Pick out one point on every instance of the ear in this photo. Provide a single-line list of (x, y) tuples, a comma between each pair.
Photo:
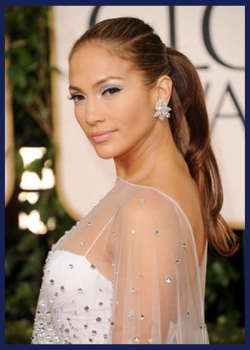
[(164, 88)]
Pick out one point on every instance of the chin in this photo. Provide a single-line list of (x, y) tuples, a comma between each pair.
[(105, 155), (105, 151)]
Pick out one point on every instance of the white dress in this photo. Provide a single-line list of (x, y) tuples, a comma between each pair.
[(127, 273)]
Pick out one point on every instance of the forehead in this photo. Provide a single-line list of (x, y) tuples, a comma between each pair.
[(93, 61)]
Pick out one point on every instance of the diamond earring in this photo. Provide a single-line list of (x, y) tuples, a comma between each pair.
[(162, 110)]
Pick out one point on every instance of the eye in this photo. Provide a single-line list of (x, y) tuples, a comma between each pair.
[(111, 91), (76, 97)]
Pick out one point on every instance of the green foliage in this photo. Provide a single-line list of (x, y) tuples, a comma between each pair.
[(29, 69), (225, 298), (29, 73), (18, 332)]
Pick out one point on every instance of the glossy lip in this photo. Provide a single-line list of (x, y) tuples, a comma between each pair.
[(99, 137)]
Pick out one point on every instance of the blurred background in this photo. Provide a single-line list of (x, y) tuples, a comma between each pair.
[(35, 216)]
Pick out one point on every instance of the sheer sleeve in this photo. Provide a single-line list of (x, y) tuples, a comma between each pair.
[(128, 273), (157, 295)]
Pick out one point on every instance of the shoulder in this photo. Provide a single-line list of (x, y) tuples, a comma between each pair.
[(146, 215), (145, 202)]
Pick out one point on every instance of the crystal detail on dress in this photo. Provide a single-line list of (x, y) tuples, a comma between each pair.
[(142, 201), (51, 282), (82, 283), (168, 280), (98, 319), (62, 288), (184, 245)]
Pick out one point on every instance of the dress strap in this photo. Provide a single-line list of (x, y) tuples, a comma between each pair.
[(99, 235)]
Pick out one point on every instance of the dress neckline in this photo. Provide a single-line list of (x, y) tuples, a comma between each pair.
[(84, 258)]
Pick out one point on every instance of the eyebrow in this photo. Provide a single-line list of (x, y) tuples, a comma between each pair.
[(98, 83)]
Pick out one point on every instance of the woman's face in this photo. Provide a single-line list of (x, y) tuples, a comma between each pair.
[(112, 105)]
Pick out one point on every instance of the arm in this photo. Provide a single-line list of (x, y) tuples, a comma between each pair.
[(147, 250)]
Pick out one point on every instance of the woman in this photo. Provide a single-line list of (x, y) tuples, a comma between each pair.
[(133, 270)]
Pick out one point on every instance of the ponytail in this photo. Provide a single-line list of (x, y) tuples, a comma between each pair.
[(190, 129)]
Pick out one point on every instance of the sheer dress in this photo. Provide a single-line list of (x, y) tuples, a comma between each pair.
[(127, 273)]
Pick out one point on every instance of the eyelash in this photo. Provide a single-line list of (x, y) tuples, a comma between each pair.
[(111, 91), (77, 95)]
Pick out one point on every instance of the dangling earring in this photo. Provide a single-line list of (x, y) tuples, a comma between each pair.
[(162, 110)]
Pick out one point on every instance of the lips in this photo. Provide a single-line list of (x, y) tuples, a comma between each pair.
[(102, 136)]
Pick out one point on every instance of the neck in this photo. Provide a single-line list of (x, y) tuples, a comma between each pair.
[(151, 160)]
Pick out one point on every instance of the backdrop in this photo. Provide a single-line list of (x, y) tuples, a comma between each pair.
[(213, 38)]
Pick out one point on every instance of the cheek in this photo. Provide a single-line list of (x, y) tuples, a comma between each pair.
[(79, 115), (140, 114), (133, 111)]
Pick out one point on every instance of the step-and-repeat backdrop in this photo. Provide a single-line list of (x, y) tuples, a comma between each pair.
[(213, 37)]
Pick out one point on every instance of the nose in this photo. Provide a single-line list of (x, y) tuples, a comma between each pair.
[(94, 113)]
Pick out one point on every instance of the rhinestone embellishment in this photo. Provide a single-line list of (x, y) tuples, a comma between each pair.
[(162, 110), (168, 280)]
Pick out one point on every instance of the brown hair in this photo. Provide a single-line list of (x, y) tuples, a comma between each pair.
[(133, 40)]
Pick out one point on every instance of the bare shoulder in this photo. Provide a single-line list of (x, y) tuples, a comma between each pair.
[(147, 201), (183, 190)]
